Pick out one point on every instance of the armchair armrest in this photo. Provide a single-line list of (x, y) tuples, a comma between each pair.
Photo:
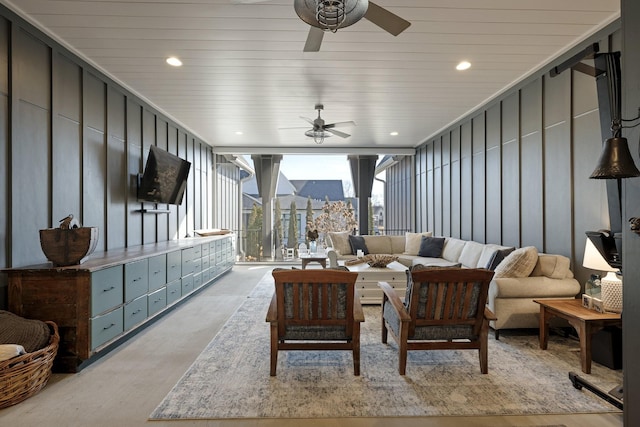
[(272, 312), (393, 298), (358, 313)]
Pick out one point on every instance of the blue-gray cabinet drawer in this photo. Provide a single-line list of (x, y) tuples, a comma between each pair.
[(135, 312), (157, 272), (174, 291), (106, 289), (157, 301), (187, 284), (197, 265), (106, 327), (136, 279), (205, 250), (206, 262), (197, 280), (188, 255), (174, 266)]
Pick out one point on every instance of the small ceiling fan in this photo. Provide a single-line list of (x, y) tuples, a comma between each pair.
[(331, 15), (322, 130)]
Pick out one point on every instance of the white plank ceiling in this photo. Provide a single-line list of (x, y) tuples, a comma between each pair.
[(245, 70)]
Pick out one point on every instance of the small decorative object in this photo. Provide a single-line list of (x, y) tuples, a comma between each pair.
[(592, 286), (379, 260), (587, 301), (611, 293), (596, 304), (634, 225), (355, 261), (70, 244), (359, 253)]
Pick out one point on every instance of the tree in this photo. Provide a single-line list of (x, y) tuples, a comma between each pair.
[(309, 225), (335, 216), (292, 238), (279, 231), (254, 233)]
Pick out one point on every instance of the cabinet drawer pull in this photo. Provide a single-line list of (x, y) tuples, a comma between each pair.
[(139, 278), (109, 327), (136, 312), (158, 300), (109, 289)]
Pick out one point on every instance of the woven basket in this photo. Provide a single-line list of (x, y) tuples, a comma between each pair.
[(23, 376)]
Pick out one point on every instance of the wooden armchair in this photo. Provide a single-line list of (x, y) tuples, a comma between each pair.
[(444, 308), (315, 310)]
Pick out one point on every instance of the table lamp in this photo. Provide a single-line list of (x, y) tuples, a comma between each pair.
[(611, 285)]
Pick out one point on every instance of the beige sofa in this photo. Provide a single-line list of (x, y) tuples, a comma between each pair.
[(511, 293)]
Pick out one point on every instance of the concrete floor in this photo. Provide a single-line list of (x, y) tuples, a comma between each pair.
[(126, 385)]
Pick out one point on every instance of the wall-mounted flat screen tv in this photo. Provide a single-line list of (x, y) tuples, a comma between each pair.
[(164, 179)]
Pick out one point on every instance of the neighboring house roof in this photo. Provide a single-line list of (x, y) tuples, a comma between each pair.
[(319, 189), (285, 187)]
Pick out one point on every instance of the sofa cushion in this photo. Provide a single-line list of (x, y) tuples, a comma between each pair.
[(519, 263), (497, 258), (378, 244), (452, 249), (552, 266), (471, 254), (397, 244), (412, 242), (357, 244), (431, 247), (340, 242)]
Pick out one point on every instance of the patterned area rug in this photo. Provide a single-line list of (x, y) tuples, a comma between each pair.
[(230, 379)]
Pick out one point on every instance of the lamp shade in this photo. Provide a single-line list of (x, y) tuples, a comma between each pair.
[(615, 161), (593, 260)]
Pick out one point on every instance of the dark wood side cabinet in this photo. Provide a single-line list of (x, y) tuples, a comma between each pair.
[(110, 296)]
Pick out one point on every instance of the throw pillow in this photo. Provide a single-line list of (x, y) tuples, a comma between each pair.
[(431, 247), (519, 263), (412, 242), (340, 242), (357, 243), (497, 258)]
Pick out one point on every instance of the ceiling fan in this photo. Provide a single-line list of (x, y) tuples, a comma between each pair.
[(322, 130), (330, 15)]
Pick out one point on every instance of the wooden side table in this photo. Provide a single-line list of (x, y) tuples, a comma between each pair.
[(586, 322), (306, 259)]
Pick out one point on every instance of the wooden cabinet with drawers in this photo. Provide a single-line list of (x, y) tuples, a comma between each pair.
[(99, 303)]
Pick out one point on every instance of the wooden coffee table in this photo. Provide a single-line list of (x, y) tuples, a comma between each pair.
[(586, 322)]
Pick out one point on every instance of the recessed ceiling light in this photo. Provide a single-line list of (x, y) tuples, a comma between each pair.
[(172, 60), (393, 133), (239, 132), (464, 65)]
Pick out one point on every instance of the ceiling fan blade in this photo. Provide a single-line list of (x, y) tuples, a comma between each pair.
[(308, 120), (337, 133), (386, 20), (339, 124), (314, 40)]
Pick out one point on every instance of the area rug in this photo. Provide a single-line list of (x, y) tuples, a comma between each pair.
[(230, 378)]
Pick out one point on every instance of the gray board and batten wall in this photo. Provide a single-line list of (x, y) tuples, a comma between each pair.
[(72, 140)]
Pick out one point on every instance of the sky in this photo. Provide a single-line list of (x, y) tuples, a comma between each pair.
[(324, 167)]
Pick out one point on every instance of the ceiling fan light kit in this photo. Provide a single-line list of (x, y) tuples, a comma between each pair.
[(330, 15)]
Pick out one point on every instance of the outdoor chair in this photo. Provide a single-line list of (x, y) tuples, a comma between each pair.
[(315, 310), (444, 309)]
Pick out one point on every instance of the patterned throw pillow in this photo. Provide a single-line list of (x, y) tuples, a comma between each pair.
[(519, 263)]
